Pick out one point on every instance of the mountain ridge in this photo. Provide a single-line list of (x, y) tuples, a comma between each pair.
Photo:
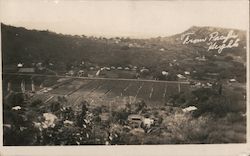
[(22, 45)]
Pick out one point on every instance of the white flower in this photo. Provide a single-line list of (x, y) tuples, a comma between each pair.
[(49, 120), (68, 122), (189, 109)]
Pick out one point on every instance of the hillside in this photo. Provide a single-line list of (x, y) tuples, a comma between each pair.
[(28, 46)]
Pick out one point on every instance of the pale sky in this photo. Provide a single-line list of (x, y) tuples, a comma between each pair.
[(108, 18)]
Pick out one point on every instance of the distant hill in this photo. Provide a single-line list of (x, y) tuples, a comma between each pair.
[(27, 46), (205, 32)]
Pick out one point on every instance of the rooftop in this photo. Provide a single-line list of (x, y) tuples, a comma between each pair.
[(26, 70)]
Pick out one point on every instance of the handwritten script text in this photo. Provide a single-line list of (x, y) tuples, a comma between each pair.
[(214, 40)]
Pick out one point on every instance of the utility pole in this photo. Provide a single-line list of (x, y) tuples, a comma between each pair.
[(23, 86), (32, 85), (179, 87), (9, 87)]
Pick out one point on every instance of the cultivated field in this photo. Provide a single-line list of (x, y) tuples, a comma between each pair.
[(97, 90), (105, 90)]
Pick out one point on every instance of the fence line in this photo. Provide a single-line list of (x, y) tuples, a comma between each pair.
[(98, 78)]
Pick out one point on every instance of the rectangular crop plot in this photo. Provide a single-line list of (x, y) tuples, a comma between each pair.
[(117, 88), (184, 87), (145, 91), (108, 89), (158, 93), (171, 89), (132, 89)]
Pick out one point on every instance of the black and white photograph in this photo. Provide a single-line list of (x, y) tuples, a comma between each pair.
[(124, 72)]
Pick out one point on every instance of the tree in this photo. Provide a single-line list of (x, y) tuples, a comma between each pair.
[(82, 115)]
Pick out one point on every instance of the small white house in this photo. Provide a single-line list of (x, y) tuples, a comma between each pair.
[(209, 84), (19, 65), (144, 70), (134, 68), (80, 72), (232, 80), (162, 49), (164, 73), (198, 84), (107, 68), (148, 122), (26, 70), (16, 108), (180, 76), (130, 45), (119, 68), (71, 73), (187, 73), (203, 58)]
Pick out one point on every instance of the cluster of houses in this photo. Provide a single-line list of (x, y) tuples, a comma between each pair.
[(98, 70), (22, 68), (202, 58), (201, 84), (139, 121), (183, 76)]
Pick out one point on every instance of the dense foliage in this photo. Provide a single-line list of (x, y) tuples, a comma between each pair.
[(26, 124), (217, 120)]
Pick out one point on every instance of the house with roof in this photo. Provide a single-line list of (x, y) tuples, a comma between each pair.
[(135, 120), (180, 76), (126, 68), (26, 70), (232, 80), (119, 68), (19, 65)]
